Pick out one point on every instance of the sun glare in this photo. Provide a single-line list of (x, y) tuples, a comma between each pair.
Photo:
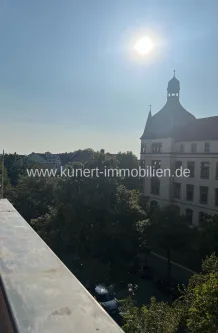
[(144, 45)]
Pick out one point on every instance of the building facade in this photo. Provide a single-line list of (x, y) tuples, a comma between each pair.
[(173, 139)]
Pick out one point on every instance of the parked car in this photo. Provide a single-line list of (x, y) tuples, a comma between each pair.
[(106, 299)]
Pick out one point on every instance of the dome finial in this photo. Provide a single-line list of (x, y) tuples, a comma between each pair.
[(150, 107), (174, 73)]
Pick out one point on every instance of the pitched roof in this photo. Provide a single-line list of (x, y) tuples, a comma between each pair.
[(163, 123), (201, 129), (36, 157)]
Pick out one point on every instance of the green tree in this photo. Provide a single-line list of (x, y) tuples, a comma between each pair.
[(200, 299), (158, 317), (33, 196), (95, 220), (6, 183), (195, 311), (129, 162), (14, 167), (208, 235)]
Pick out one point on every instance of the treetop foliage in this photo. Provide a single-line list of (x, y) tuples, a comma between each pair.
[(196, 310), (99, 227)]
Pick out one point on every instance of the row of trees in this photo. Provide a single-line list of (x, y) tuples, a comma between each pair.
[(88, 222), (16, 164), (99, 225), (97, 198)]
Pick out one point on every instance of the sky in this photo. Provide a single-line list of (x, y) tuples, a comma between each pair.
[(70, 78)]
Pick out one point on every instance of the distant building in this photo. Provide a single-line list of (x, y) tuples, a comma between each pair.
[(45, 161), (80, 156), (54, 161), (174, 138), (111, 155)]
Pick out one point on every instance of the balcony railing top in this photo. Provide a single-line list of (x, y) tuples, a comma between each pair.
[(42, 295)]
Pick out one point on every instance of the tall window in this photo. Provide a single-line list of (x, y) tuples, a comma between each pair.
[(216, 197), (143, 148), (182, 148), (189, 215), (178, 164), (203, 194), (205, 166), (194, 147), (155, 186), (157, 147), (189, 192), (142, 163), (141, 185), (191, 167), (156, 164), (207, 147), (216, 171), (177, 190)]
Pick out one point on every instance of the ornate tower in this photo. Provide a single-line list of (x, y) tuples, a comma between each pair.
[(173, 87)]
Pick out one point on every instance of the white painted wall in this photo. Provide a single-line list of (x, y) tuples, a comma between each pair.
[(170, 154)]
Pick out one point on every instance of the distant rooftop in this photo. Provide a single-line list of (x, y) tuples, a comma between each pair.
[(42, 295)]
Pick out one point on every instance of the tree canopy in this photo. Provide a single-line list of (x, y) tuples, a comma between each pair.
[(87, 221), (97, 226), (196, 310)]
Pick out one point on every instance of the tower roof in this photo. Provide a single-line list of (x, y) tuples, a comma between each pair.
[(173, 85), (170, 117)]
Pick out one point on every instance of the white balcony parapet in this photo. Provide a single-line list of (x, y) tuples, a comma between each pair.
[(42, 295)]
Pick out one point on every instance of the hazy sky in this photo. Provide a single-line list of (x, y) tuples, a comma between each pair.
[(69, 78)]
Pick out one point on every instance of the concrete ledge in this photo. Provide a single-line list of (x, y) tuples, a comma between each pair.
[(42, 294)]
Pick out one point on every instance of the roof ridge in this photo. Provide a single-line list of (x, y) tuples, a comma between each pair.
[(207, 117)]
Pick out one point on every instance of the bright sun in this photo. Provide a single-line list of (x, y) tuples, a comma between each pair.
[(144, 45)]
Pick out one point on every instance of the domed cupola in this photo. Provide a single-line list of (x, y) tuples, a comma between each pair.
[(165, 123), (173, 87)]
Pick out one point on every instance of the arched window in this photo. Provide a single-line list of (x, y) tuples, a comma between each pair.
[(189, 215)]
